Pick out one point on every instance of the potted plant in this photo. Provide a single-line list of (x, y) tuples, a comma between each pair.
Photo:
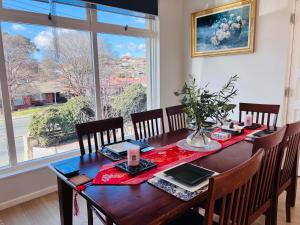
[(202, 104)]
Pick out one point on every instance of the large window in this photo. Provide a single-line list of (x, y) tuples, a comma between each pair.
[(50, 82), (123, 76), (4, 161), (54, 81), (44, 8), (121, 19)]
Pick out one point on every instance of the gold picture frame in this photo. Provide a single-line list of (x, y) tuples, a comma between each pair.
[(224, 30)]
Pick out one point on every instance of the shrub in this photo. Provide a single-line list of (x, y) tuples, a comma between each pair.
[(132, 100), (55, 125)]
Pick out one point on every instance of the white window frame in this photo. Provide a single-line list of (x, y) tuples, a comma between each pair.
[(94, 27)]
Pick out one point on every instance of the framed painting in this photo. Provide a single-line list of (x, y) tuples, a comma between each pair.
[(224, 30)]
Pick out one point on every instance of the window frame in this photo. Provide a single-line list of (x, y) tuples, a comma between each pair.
[(90, 25)]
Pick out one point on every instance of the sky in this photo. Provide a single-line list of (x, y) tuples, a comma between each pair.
[(41, 35)]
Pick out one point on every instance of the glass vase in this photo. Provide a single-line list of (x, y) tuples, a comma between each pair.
[(199, 138)]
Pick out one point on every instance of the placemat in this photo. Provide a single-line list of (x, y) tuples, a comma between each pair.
[(174, 190)]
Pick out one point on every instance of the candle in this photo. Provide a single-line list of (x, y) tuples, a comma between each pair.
[(249, 119), (133, 156)]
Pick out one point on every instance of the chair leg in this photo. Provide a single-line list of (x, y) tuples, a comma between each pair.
[(109, 221), (90, 214), (274, 211), (294, 192), (288, 201), (269, 217)]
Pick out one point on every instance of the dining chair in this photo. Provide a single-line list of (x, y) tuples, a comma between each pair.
[(289, 168), (233, 189), (262, 113), (176, 117), (264, 194), (148, 124), (107, 131)]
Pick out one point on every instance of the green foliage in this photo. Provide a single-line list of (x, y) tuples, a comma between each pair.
[(202, 104), (57, 124), (132, 100)]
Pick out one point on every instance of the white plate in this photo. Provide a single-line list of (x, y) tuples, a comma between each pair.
[(212, 146)]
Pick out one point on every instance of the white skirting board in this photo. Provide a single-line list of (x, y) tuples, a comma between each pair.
[(26, 198)]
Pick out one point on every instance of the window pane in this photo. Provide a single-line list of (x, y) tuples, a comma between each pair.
[(51, 87), (44, 8), (123, 76), (120, 19), (4, 160)]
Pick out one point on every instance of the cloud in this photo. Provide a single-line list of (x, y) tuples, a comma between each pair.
[(18, 27), (133, 47), (127, 54), (44, 38)]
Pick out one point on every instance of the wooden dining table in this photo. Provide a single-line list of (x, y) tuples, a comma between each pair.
[(142, 203)]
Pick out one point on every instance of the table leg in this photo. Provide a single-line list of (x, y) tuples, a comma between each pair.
[(65, 195)]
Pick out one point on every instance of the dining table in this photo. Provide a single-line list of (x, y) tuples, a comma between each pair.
[(141, 203)]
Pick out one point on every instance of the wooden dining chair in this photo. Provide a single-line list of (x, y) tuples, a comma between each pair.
[(98, 134), (289, 167), (264, 194), (261, 113), (148, 124), (107, 130), (176, 117), (232, 190)]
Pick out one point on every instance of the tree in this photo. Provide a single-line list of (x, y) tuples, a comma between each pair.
[(21, 67), (72, 59), (132, 100)]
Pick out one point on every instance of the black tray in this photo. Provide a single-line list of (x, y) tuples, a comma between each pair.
[(253, 127), (189, 174), (144, 166)]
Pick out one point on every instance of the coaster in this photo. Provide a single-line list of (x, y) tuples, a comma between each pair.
[(144, 166), (80, 180)]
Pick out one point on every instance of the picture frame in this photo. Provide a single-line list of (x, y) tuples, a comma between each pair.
[(224, 30)]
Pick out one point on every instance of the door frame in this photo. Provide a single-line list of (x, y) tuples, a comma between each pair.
[(287, 90)]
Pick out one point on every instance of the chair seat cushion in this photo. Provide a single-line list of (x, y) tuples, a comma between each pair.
[(189, 218)]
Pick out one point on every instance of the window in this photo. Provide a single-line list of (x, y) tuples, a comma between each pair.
[(4, 161), (44, 8), (52, 79), (123, 76), (60, 88), (121, 19)]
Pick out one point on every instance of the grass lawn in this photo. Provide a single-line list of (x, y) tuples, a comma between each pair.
[(31, 111)]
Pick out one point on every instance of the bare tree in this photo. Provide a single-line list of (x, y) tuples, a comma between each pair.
[(21, 67)]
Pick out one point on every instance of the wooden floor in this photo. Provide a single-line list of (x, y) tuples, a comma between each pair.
[(44, 211)]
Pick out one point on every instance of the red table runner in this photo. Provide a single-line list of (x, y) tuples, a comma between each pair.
[(164, 157)]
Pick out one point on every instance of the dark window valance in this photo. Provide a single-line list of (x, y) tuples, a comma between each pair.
[(148, 7)]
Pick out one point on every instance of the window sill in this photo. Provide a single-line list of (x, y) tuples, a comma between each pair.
[(25, 167)]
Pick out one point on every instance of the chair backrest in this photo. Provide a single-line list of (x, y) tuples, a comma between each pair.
[(268, 174), (261, 113), (233, 189), (291, 143), (176, 117), (146, 124), (107, 130)]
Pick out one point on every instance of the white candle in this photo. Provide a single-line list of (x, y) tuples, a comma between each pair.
[(133, 157), (249, 119)]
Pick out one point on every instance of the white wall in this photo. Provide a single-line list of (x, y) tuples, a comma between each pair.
[(32, 184), (262, 74), (171, 54)]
